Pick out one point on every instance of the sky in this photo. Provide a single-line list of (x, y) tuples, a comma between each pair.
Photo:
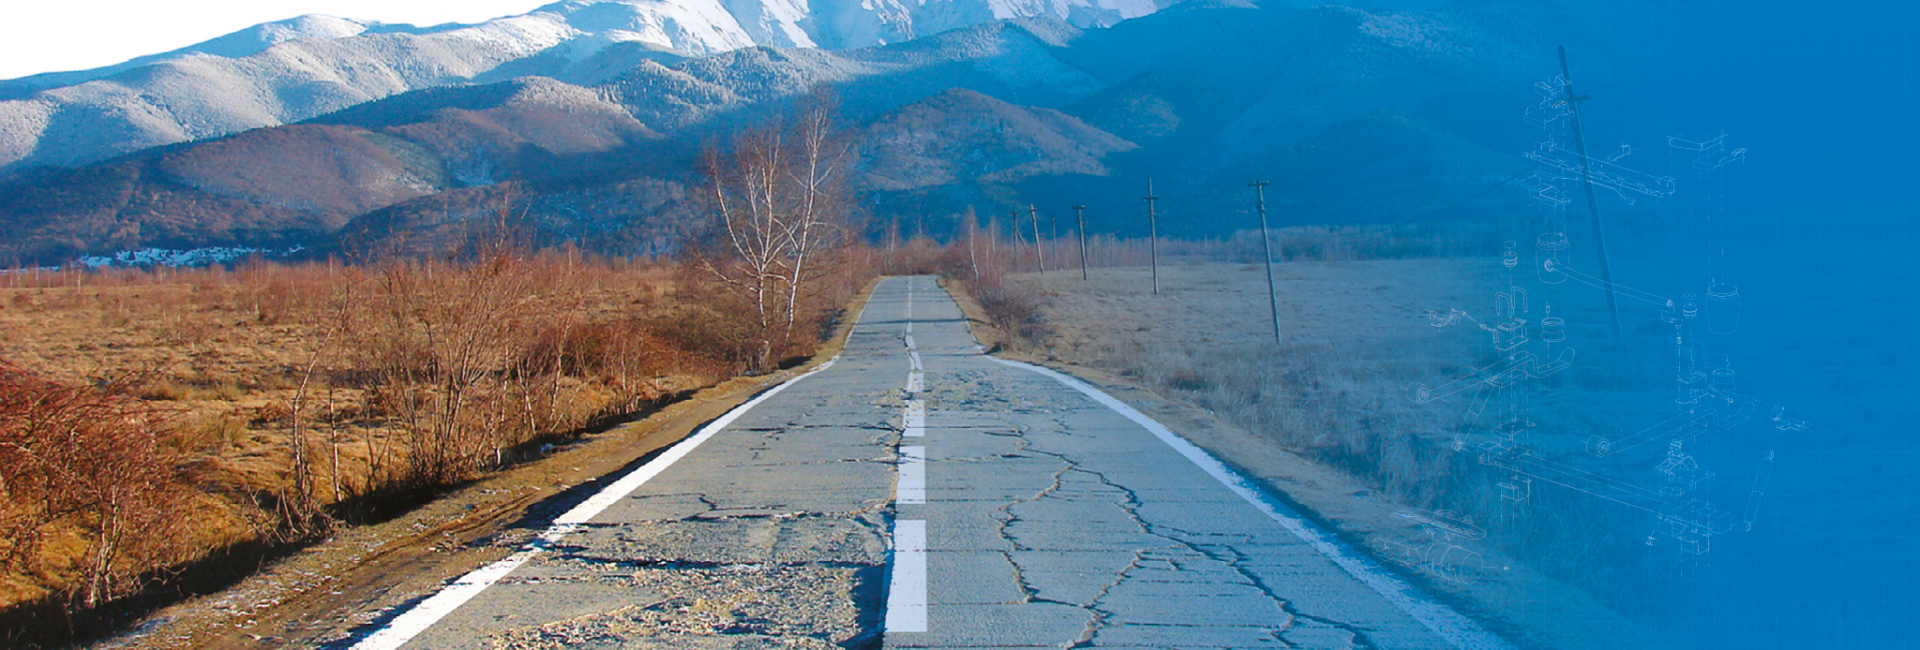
[(40, 36)]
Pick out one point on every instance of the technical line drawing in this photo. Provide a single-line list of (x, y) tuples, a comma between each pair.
[(1436, 551), (1711, 153), (1563, 165), (1674, 492), (1674, 487)]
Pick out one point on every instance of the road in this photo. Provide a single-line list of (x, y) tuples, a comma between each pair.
[(917, 493)]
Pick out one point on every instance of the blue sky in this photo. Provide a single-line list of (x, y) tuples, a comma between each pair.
[(46, 36)]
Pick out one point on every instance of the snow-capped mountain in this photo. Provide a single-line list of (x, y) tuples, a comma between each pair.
[(291, 70)]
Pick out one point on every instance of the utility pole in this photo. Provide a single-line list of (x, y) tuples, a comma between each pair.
[(1586, 175), (1153, 237), (1040, 254), (1266, 245), (1080, 217)]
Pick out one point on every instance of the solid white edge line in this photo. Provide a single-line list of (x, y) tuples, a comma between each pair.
[(912, 489), (916, 382), (1450, 625), (907, 591), (423, 615)]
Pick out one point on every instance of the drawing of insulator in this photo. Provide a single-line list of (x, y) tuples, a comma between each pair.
[(1688, 308), (1546, 256), (1721, 379), (1553, 329), (1510, 258), (1723, 308), (1435, 550)]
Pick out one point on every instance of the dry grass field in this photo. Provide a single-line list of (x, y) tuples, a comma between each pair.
[(1324, 416), (154, 417)]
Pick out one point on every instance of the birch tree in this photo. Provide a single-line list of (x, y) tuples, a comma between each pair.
[(778, 199)]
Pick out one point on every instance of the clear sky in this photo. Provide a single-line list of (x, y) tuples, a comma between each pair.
[(55, 35)]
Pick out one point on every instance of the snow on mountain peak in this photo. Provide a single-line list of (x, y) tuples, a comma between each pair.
[(294, 69)]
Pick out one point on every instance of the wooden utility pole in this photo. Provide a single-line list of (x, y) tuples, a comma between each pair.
[(1586, 175), (1153, 237), (1040, 254), (1080, 217), (1266, 246)]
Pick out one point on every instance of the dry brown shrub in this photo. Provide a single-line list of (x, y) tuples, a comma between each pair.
[(86, 460)]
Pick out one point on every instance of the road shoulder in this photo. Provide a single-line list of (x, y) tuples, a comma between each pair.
[(1530, 609), (317, 595)]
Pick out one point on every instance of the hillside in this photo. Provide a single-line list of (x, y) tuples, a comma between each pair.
[(291, 70), (1355, 115)]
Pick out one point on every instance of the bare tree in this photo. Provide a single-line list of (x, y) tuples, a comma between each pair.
[(779, 201)]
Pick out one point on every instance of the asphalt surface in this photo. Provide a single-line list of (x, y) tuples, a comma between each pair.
[(918, 493)]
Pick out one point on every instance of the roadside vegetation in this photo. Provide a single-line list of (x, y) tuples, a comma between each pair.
[(1352, 306), (157, 425)]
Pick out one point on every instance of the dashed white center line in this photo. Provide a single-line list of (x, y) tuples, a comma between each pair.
[(913, 476), (916, 419), (907, 592)]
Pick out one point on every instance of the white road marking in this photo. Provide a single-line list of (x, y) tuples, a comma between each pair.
[(457, 593), (907, 591), (913, 476), (909, 336), (1458, 630), (916, 381), (916, 419), (914, 358)]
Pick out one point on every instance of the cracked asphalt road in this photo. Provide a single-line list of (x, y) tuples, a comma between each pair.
[(921, 494)]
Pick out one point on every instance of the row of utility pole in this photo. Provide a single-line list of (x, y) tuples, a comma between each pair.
[(1570, 99), (1153, 242)]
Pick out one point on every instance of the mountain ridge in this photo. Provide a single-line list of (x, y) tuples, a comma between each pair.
[(287, 71), (1200, 97)]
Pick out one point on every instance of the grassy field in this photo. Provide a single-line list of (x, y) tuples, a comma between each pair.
[(154, 417), (1332, 397)]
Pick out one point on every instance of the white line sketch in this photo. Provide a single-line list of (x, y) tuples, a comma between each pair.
[(1712, 151), (1438, 550), (1705, 394), (1560, 164)]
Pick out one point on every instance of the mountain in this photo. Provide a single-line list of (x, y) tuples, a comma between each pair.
[(245, 42), (1355, 116), (291, 70)]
